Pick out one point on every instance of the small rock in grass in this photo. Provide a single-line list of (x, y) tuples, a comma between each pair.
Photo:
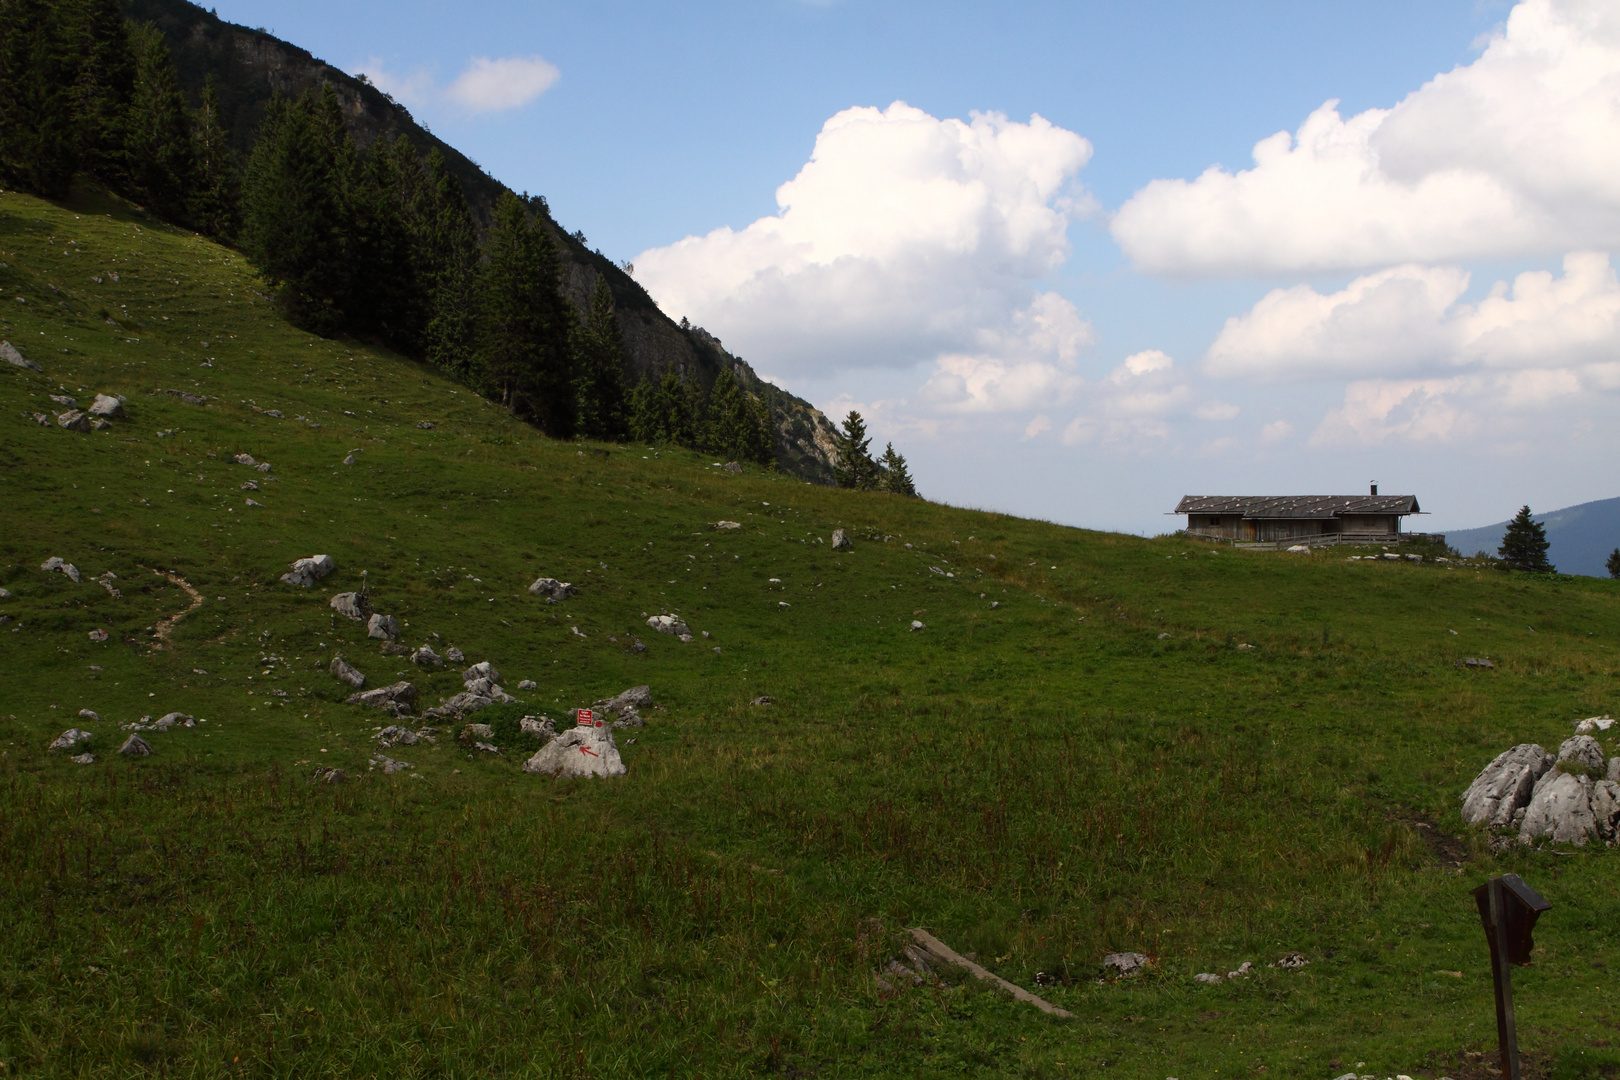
[(263, 466), (1242, 971), (63, 566), (454, 655), (108, 406), (636, 645), (840, 540), (306, 572), (85, 758), (1207, 977), (344, 672), (481, 670), (9, 353), (329, 776), (763, 699), (5, 594), (135, 746), (389, 765), (250, 485), (671, 624), (98, 635), (426, 657), (244, 459), (425, 425), (553, 590), (733, 467), (1593, 723), (385, 627), (353, 604), (1476, 662), (396, 735), (916, 624), (394, 698), (1292, 962), (527, 684), (1125, 963), (728, 524), (66, 401), (70, 738), (637, 697), (90, 714)]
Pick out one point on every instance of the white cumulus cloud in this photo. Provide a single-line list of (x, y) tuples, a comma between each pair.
[(905, 238), (486, 85), (503, 83), (1515, 153), (1408, 321)]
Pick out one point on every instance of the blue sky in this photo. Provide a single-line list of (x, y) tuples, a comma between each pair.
[(1049, 332)]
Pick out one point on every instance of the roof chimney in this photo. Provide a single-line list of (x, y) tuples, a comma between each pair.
[(1375, 488)]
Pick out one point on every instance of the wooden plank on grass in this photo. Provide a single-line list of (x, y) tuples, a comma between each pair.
[(946, 955)]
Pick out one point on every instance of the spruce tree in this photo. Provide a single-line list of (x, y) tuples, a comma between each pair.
[(896, 478), (384, 297), (523, 353), (104, 82), (852, 447), (37, 128), (294, 214), (444, 253), (760, 446), (1524, 545), (157, 129), (1613, 564), (216, 193), (599, 359)]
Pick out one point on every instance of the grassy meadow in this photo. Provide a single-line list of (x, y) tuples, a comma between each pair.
[(1075, 756)]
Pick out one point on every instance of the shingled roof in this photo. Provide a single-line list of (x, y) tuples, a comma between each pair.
[(1297, 506)]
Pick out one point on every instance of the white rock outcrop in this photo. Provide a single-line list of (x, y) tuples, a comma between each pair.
[(395, 699), (840, 540), (108, 407), (1582, 752), (306, 572), (9, 353), (385, 627), (352, 604), (343, 671), (70, 738), (670, 624), (60, 565), (1561, 811), (578, 752), (1505, 785), (553, 590)]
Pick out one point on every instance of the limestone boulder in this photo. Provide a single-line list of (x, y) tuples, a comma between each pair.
[(1561, 811), (344, 672), (108, 407), (61, 566), (578, 752), (1505, 785), (352, 605), (840, 540), (426, 657), (454, 655), (9, 353), (1606, 807), (481, 670), (306, 572), (135, 746), (1582, 752), (70, 738), (553, 590), (670, 624), (1124, 964), (395, 698), (385, 627), (637, 697), (73, 420)]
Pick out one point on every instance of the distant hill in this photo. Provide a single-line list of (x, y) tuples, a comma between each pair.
[(250, 66), (1581, 537)]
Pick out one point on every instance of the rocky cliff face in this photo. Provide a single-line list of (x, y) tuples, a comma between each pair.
[(250, 66)]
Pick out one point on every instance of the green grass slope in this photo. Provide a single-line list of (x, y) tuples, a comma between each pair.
[(1073, 757)]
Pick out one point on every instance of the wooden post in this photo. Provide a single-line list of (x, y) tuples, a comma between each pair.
[(1507, 1036)]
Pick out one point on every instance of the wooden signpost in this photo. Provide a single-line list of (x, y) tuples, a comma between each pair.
[(1508, 908)]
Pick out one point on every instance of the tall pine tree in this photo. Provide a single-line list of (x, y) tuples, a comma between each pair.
[(852, 447), (895, 476), (157, 143), (523, 353), (444, 253), (1524, 544), (216, 193), (37, 123), (599, 359), (104, 85), (295, 215), (1613, 563)]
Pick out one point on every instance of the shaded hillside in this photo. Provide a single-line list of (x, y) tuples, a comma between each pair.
[(1581, 537), (250, 66)]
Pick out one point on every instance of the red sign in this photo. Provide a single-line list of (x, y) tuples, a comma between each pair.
[(587, 718)]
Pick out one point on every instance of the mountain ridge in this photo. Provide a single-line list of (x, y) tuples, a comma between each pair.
[(1581, 536), (250, 66)]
